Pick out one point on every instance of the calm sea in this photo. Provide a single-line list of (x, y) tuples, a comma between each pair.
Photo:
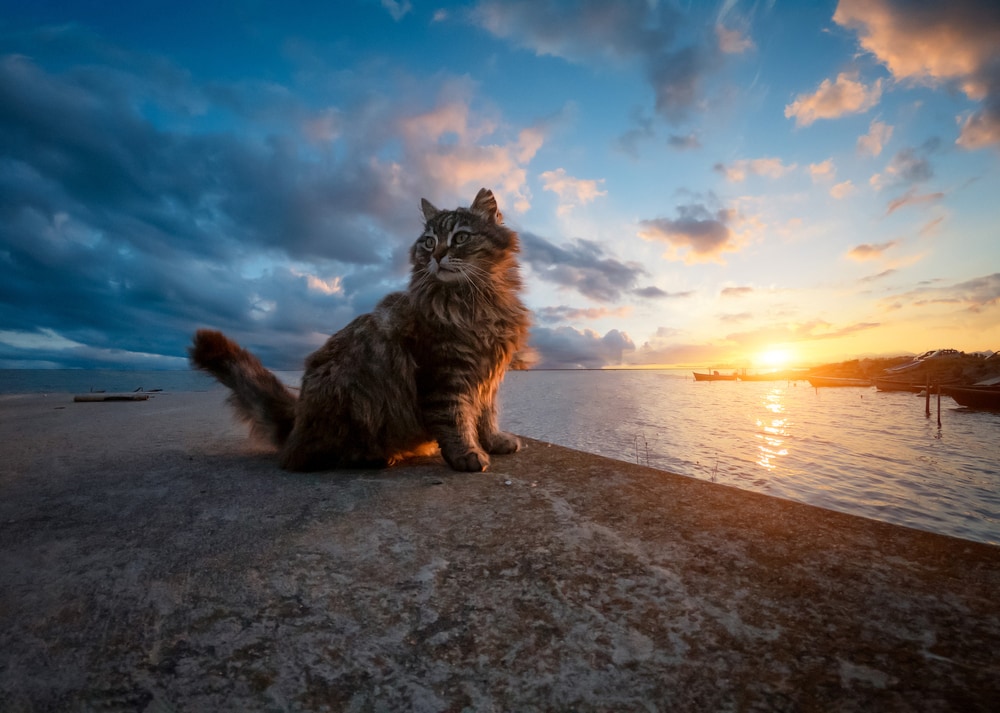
[(855, 450)]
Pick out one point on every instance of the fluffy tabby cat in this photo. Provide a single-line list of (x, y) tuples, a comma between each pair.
[(423, 367)]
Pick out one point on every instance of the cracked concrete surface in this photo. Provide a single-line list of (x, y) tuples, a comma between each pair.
[(154, 559)]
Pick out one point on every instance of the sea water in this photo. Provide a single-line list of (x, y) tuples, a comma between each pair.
[(855, 450)]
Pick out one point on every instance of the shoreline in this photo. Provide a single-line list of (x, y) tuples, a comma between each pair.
[(152, 555)]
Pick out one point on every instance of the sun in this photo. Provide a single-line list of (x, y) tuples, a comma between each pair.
[(774, 358)]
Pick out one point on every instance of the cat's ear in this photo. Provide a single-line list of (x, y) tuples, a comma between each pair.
[(486, 205), (428, 210)]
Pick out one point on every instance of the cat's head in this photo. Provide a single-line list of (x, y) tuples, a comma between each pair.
[(465, 245)]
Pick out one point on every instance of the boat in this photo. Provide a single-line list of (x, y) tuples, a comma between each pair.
[(914, 387), (985, 398), (713, 376), (896, 385), (818, 381)]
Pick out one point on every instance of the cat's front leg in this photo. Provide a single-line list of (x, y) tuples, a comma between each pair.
[(501, 443), (494, 440), (461, 454)]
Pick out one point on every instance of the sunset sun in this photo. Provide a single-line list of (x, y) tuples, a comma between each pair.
[(774, 358)]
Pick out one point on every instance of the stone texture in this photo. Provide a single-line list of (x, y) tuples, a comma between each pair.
[(153, 559)]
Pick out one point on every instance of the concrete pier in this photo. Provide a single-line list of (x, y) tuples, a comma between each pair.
[(153, 559)]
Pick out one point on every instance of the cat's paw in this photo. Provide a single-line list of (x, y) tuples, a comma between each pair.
[(471, 462), (502, 443)]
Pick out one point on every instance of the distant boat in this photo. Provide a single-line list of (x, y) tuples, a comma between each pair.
[(772, 376), (714, 376), (818, 381), (986, 398)]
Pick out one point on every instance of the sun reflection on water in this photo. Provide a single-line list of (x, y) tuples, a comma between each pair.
[(772, 430)]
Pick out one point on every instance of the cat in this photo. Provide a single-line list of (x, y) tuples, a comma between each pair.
[(418, 373)]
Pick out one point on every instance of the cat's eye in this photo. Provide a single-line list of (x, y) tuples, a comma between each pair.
[(429, 242), (460, 237)]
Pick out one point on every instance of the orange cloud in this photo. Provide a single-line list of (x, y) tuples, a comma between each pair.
[(877, 137), (912, 198), (842, 190), (737, 171), (451, 147), (956, 41), (846, 95), (571, 191), (866, 251)]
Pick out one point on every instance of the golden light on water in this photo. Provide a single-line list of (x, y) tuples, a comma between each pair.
[(772, 430)]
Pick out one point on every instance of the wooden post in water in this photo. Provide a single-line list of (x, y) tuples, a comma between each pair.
[(927, 390), (939, 404)]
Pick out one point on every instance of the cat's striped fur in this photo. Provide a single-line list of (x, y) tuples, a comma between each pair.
[(422, 369)]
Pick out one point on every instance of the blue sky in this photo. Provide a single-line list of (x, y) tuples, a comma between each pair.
[(726, 183)]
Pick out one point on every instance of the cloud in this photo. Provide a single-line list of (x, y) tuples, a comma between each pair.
[(569, 348), (581, 265), (908, 167), (697, 235), (448, 147), (769, 167), (865, 251), (571, 191), (911, 197), (976, 295), (684, 142), (842, 190), (653, 292), (878, 276), (397, 8), (119, 192), (832, 100), (877, 137), (564, 313), (809, 331), (732, 41), (592, 32), (954, 43), (742, 291), (823, 171)]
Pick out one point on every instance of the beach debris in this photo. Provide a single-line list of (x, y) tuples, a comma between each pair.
[(95, 396)]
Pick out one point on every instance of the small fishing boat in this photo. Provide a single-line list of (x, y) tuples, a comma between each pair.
[(713, 376), (985, 398), (818, 381), (894, 385)]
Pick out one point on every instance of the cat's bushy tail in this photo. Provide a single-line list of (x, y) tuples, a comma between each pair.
[(258, 396)]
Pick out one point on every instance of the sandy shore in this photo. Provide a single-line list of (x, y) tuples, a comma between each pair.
[(152, 559)]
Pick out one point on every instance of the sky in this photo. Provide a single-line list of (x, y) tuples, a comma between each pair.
[(746, 184)]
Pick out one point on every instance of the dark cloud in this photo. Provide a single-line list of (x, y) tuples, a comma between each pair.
[(696, 235), (148, 205), (975, 295), (581, 265), (569, 348), (595, 31), (653, 292), (687, 141)]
